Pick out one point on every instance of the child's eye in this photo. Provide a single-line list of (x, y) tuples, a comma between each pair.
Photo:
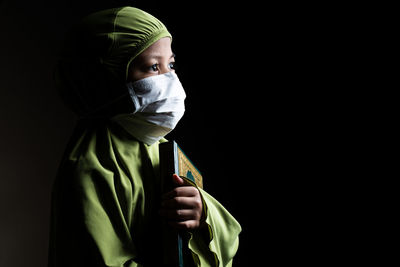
[(171, 65), (154, 67)]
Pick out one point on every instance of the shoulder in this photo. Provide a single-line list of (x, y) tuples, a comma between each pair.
[(106, 147)]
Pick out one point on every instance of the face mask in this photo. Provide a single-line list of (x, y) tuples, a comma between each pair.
[(158, 106)]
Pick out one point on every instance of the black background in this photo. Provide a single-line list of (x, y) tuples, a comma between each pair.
[(247, 124)]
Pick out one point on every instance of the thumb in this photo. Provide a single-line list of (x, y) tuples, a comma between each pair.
[(178, 180)]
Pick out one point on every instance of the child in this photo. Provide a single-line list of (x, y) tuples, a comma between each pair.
[(117, 73)]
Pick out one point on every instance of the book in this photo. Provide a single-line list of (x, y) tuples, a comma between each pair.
[(174, 161)]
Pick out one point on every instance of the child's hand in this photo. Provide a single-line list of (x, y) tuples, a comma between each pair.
[(183, 206)]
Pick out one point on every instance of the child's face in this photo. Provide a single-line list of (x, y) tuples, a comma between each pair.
[(155, 60)]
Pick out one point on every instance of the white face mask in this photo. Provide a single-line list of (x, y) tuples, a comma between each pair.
[(158, 106)]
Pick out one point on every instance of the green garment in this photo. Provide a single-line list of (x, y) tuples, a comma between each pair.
[(107, 192), (105, 202)]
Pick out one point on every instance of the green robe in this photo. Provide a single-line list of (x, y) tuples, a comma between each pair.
[(105, 202)]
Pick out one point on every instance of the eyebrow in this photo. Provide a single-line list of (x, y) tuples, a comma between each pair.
[(159, 56)]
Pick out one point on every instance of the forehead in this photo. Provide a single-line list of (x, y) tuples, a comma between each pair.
[(161, 48)]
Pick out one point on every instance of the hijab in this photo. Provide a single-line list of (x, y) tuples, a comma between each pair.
[(94, 61)]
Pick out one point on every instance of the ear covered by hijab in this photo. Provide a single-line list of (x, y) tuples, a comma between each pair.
[(93, 68)]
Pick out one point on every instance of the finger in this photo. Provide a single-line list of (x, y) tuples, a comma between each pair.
[(179, 214), (184, 191), (180, 203), (178, 180)]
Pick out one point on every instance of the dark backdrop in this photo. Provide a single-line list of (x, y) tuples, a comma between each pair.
[(265, 123), (222, 54)]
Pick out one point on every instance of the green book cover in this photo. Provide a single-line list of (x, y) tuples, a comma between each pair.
[(174, 160)]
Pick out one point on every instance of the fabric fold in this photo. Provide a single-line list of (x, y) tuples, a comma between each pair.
[(219, 243), (105, 206)]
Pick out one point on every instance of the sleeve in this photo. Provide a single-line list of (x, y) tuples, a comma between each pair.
[(220, 244), (91, 218)]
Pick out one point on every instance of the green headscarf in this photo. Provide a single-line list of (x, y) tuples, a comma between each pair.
[(95, 59)]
